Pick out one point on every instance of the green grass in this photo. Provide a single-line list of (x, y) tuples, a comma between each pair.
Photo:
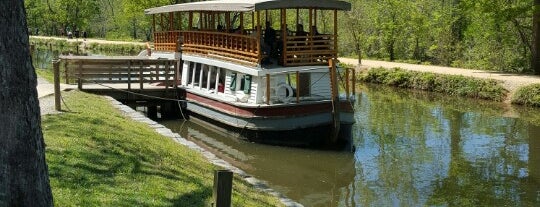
[(98, 157), (454, 85), (45, 74), (527, 95)]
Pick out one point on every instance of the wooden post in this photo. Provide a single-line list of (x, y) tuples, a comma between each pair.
[(161, 26), (268, 89), (154, 23), (335, 34), (190, 21), (56, 72), (284, 36), (171, 21), (347, 87), (297, 17), (354, 82), (242, 23), (335, 101), (66, 74), (297, 87), (259, 55), (227, 21), (222, 191), (79, 79), (166, 74), (141, 74), (310, 38), (129, 75)]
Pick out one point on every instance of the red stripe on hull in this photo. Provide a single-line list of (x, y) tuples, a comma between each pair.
[(268, 110)]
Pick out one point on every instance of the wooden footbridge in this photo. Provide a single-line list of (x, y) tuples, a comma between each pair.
[(133, 80)]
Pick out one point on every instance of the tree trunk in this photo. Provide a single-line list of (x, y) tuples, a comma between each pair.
[(24, 180), (535, 62)]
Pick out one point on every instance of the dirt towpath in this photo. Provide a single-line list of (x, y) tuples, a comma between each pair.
[(89, 40), (510, 81)]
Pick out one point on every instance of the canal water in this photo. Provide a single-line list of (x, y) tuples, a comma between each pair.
[(412, 149)]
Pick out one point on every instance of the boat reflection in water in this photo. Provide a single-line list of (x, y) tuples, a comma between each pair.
[(310, 177)]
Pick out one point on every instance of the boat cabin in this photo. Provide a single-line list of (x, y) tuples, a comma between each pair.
[(251, 32), (252, 52)]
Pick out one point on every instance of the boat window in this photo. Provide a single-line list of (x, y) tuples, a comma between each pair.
[(232, 86), (246, 84)]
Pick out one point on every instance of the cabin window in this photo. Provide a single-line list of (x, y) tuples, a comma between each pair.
[(246, 84), (232, 86)]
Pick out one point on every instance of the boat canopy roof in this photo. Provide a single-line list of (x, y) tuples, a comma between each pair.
[(250, 5)]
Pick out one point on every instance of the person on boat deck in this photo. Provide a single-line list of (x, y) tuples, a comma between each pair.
[(220, 28), (300, 33), (270, 39), (265, 49), (300, 30)]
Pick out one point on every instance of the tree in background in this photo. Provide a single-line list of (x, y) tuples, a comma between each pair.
[(24, 178), (536, 38), (480, 34)]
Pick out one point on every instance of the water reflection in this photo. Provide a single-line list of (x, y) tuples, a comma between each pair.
[(317, 177), (412, 149)]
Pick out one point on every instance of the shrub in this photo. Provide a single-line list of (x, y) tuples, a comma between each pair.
[(455, 85), (527, 95)]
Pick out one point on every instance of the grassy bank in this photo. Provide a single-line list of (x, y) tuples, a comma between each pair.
[(527, 95), (65, 46), (98, 157), (454, 85)]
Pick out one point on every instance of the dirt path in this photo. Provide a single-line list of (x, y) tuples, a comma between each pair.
[(510, 81), (89, 40)]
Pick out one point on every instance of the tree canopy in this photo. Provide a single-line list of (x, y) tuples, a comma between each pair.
[(480, 34)]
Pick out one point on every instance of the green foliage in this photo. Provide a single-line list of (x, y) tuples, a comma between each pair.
[(527, 95), (453, 85), (97, 157), (479, 34)]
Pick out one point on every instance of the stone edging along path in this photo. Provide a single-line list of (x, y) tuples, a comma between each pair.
[(258, 184)]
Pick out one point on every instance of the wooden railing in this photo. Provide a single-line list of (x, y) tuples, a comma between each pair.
[(120, 70), (299, 50), (309, 50), (228, 45), (166, 41)]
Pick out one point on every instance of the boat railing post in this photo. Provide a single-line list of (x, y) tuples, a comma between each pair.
[(297, 86), (268, 89)]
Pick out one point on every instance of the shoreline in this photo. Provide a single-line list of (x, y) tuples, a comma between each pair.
[(46, 101)]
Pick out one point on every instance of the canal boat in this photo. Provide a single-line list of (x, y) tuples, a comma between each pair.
[(264, 67)]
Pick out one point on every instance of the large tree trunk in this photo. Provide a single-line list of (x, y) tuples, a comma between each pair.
[(535, 62), (24, 180)]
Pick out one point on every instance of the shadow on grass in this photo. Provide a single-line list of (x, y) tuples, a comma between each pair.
[(126, 170), (194, 198)]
